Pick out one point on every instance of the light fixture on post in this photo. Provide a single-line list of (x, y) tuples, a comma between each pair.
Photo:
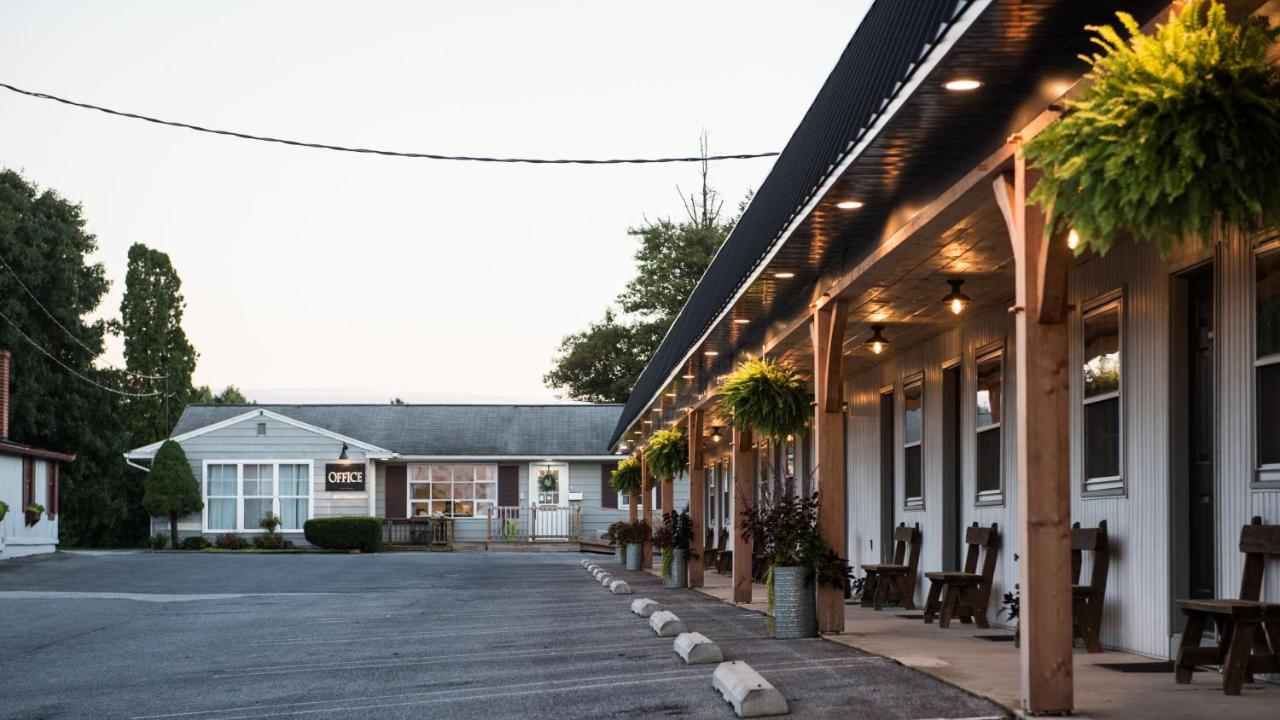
[(715, 434), (877, 342), (1073, 239), (955, 299), (343, 455)]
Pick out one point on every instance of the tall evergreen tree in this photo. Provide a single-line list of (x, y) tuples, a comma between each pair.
[(171, 488), (47, 289), (155, 344)]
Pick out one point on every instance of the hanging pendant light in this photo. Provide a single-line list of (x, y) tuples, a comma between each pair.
[(715, 434), (877, 342), (955, 299)]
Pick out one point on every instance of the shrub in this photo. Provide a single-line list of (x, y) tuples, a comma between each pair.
[(195, 542), (271, 541), (171, 489), (4, 509), (349, 532), (632, 532), (159, 540), (269, 522), (230, 541)]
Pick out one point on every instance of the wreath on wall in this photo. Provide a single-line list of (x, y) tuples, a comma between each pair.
[(548, 481), (1173, 132)]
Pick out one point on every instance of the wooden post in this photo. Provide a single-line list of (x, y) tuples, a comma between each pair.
[(1044, 489), (667, 486), (646, 499), (633, 509), (827, 330), (697, 496), (744, 479)]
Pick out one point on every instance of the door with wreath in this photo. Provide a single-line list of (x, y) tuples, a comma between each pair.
[(549, 488)]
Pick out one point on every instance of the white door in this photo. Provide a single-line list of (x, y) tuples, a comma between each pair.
[(549, 488)]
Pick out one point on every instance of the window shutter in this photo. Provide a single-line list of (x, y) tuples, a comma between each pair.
[(396, 490), (51, 490), (608, 496), (508, 486), (28, 482)]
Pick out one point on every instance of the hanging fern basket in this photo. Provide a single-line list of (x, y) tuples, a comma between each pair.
[(1174, 132), (626, 477), (667, 453), (768, 397)]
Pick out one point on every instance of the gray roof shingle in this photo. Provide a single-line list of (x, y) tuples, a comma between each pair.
[(471, 430)]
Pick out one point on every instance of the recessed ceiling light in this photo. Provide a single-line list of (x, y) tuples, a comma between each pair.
[(849, 204), (710, 353), (962, 85), (688, 376), (784, 275), (670, 394), (741, 321)]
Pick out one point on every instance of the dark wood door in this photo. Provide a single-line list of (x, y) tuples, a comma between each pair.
[(952, 520), (1200, 432), (888, 451)]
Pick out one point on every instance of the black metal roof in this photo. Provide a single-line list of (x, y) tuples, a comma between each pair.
[(452, 430), (1020, 49)]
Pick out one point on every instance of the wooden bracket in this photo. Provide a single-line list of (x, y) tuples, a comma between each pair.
[(828, 360)]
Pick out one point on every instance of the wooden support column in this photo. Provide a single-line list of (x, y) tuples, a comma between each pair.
[(1044, 489), (827, 330), (646, 502), (744, 497), (633, 507), (667, 487), (697, 496)]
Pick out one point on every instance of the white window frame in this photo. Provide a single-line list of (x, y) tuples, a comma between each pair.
[(624, 501), (240, 496), (1266, 475), (1110, 486), (997, 351), (476, 507), (917, 502)]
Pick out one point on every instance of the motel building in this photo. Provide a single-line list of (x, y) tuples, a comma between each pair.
[(501, 473), (1134, 389)]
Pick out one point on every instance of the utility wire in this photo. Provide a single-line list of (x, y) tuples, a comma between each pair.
[(91, 351), (391, 153), (70, 369)]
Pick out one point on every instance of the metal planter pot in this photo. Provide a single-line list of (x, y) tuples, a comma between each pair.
[(679, 576), (620, 554), (635, 555), (794, 608)]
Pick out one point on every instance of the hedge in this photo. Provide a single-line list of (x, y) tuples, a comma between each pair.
[(349, 532)]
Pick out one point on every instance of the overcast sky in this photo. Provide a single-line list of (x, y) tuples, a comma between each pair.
[(317, 276)]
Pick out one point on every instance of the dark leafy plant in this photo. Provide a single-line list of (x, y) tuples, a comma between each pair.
[(680, 528), (159, 540), (230, 541), (626, 477), (271, 541), (1174, 131), (787, 529), (195, 542), (768, 397), (667, 453), (1011, 606), (633, 532), (611, 533), (269, 522)]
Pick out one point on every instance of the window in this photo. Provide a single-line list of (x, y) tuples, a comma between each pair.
[(220, 496), (725, 506), (912, 442), (295, 483), (989, 403), (452, 490), (1267, 366), (262, 428), (239, 494), (1101, 398)]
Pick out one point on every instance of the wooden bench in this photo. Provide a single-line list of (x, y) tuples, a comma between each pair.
[(709, 550), (967, 591), (1086, 600), (724, 558), (895, 581), (1248, 629)]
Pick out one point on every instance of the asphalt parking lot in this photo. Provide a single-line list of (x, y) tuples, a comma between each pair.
[(397, 635)]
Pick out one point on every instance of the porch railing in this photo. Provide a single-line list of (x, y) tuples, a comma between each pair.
[(433, 532), (534, 524)]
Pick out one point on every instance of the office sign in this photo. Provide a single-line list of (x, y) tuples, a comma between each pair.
[(344, 477)]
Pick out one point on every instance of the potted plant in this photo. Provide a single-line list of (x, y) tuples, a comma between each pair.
[(1173, 132), (798, 560), (771, 399), (626, 477), (633, 534), (667, 454), (269, 522), (661, 539), (34, 510), (619, 550), (677, 541)]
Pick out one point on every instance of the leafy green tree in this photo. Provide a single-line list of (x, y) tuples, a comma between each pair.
[(601, 363), (47, 289), (170, 489), (155, 343), (230, 395)]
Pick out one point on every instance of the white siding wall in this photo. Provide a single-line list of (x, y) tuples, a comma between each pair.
[(16, 539)]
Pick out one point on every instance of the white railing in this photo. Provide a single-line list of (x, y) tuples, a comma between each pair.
[(534, 523)]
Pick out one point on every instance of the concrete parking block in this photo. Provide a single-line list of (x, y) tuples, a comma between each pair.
[(747, 691), (619, 587), (697, 649), (666, 624), (605, 579), (644, 607)]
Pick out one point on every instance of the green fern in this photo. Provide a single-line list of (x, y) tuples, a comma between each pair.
[(1174, 131), (768, 397), (626, 477), (667, 453)]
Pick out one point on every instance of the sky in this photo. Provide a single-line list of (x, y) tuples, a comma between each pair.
[(315, 276)]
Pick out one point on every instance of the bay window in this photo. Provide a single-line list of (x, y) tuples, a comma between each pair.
[(238, 494), (1267, 366), (452, 490), (913, 442), (1102, 399), (988, 423)]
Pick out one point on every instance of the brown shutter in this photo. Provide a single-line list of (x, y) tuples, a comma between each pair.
[(51, 490), (508, 485), (397, 491), (608, 496), (28, 482), (657, 495)]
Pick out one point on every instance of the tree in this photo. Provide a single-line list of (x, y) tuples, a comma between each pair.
[(170, 489), (47, 289), (155, 343), (602, 362), (398, 401), (230, 395)]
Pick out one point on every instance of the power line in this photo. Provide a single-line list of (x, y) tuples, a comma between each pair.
[(391, 153), (91, 351), (70, 369)]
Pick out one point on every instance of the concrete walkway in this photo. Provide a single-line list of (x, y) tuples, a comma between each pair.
[(990, 667)]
